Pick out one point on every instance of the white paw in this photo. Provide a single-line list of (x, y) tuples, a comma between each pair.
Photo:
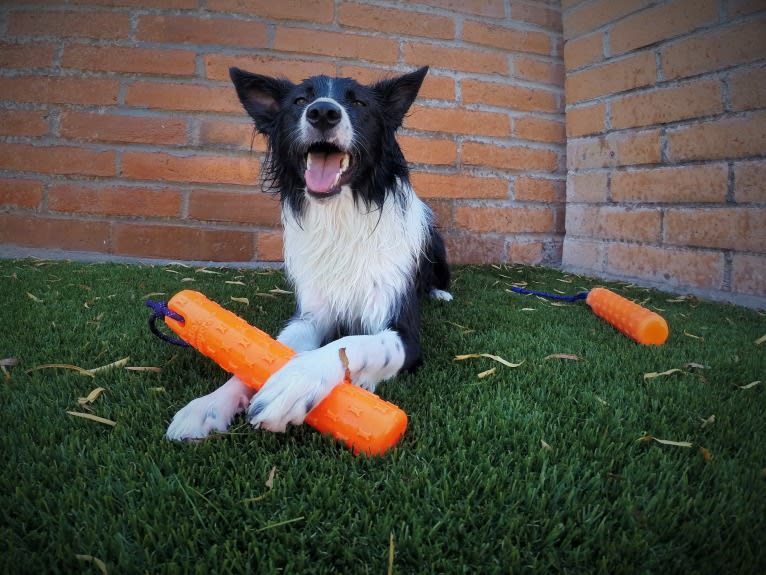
[(441, 295), (294, 390), (209, 413)]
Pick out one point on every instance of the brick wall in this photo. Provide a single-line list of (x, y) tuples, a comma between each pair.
[(666, 127), (121, 135)]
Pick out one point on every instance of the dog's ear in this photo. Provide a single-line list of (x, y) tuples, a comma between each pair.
[(397, 94), (261, 96)]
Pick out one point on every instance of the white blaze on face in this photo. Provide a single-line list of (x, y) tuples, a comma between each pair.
[(325, 165)]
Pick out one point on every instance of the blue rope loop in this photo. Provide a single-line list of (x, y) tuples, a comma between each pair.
[(161, 311), (568, 298)]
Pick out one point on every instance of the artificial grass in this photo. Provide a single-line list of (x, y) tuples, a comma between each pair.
[(534, 469)]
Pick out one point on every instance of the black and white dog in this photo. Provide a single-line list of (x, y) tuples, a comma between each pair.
[(360, 247)]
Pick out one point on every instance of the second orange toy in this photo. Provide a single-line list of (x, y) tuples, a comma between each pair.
[(362, 420)]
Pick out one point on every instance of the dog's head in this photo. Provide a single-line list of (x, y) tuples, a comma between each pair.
[(325, 134)]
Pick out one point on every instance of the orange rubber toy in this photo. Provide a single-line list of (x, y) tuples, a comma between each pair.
[(635, 321), (360, 419)]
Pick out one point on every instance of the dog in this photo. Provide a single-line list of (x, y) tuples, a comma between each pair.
[(360, 248)]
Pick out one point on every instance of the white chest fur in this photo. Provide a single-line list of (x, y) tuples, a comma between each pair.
[(353, 265)]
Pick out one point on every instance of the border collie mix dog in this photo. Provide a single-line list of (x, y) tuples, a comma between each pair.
[(360, 246)]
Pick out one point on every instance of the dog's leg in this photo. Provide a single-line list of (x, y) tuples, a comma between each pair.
[(306, 380), (211, 412)]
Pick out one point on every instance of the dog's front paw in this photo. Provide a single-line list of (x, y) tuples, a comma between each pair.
[(206, 414), (294, 390), (441, 295)]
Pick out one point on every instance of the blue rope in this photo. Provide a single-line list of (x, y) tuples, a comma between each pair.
[(569, 298), (161, 310)]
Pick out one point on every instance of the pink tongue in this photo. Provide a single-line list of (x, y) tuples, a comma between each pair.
[(321, 175)]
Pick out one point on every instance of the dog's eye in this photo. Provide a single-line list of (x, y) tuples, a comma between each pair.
[(300, 101), (359, 103)]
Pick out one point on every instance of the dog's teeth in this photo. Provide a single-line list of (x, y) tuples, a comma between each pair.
[(308, 161), (344, 163), (337, 179)]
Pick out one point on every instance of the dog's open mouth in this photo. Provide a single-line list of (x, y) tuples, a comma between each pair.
[(327, 169)]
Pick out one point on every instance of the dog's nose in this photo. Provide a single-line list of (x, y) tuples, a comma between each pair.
[(323, 115)]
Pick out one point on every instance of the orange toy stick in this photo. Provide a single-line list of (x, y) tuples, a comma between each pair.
[(360, 419), (633, 320)]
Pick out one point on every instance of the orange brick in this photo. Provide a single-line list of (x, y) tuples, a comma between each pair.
[(511, 220), (396, 21), (747, 89), (23, 122), (217, 67), (592, 15), (715, 49), (538, 130), (583, 51), (315, 11), (66, 24), (434, 87), (463, 59), (164, 4), (727, 138), (509, 158), (63, 160), (19, 193), (489, 8), (509, 96), (689, 100), (611, 77), (442, 210), (705, 183), (672, 267), (187, 97), (42, 232), (530, 253), (338, 44), (534, 70), (195, 30), (748, 274), (661, 23), (614, 150), (458, 186), (27, 55), (51, 90), (749, 178), (457, 121), (185, 243), (541, 16), (584, 254), (538, 190), (95, 127), (724, 228), (510, 39), (428, 150), (475, 248), (270, 246), (195, 168), (586, 120), (614, 223), (592, 187), (133, 60), (241, 207), (237, 135), (114, 200)]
